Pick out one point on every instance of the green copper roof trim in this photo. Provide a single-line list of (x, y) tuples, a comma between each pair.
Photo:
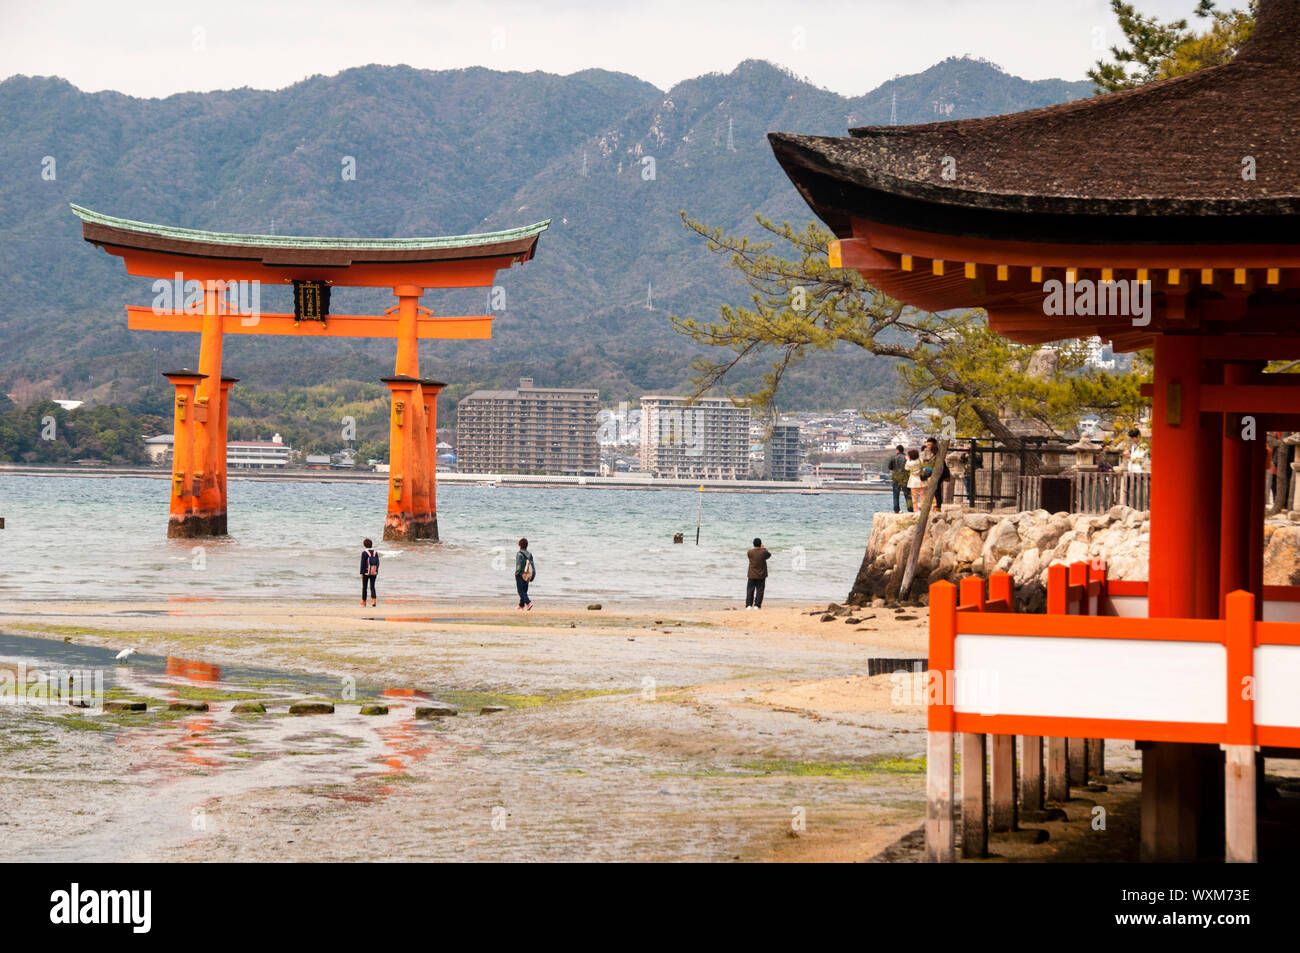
[(298, 241)]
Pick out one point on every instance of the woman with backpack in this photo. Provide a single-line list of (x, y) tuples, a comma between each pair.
[(524, 573), (369, 571)]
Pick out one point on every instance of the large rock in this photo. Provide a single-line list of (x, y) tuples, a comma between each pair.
[(1002, 540), (967, 546), (1044, 535), (1282, 555), (1025, 568)]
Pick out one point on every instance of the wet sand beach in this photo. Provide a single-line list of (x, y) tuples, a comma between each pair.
[(668, 732)]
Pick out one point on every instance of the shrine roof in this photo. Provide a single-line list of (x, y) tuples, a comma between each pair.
[(1160, 162), (103, 229)]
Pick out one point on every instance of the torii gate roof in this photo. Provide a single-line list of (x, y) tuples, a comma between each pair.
[(442, 261)]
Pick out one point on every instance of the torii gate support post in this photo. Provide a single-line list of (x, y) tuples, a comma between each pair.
[(219, 528), (405, 520), (411, 506), (183, 460), (209, 509), (429, 391)]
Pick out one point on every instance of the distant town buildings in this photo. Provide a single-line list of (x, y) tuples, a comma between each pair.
[(708, 439), (250, 454), (550, 430), (855, 472), (240, 454)]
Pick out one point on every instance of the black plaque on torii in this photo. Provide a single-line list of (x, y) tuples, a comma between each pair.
[(311, 301)]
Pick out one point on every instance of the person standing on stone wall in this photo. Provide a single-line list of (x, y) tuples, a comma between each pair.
[(757, 576), (898, 477), (914, 482)]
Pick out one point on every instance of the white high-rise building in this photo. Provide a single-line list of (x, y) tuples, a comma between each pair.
[(708, 439)]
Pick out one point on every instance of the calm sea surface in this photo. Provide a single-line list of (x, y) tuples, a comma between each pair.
[(93, 538)]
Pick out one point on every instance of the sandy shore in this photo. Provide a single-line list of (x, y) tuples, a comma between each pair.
[(674, 732)]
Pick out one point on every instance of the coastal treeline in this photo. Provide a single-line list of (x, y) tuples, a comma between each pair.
[(44, 432)]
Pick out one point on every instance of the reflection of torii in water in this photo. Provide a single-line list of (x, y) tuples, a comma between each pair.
[(209, 263)]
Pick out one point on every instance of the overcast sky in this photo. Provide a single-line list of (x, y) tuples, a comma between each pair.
[(159, 47)]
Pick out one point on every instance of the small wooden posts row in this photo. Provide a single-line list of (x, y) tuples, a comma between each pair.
[(999, 789)]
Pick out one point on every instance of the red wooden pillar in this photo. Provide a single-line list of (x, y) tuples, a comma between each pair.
[(1257, 463), (1209, 464), (1235, 497), (1177, 779), (1176, 502)]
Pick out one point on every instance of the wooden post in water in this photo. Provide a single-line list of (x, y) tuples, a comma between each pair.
[(699, 515)]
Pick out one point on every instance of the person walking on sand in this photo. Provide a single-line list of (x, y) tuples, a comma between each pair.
[(369, 571), (757, 579), (525, 572)]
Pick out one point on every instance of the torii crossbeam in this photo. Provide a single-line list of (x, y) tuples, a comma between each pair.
[(211, 268)]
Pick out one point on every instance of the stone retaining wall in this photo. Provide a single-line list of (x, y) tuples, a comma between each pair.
[(959, 544)]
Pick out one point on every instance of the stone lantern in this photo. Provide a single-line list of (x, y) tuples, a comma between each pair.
[(1085, 453)]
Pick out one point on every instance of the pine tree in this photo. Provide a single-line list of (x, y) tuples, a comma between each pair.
[(1155, 50)]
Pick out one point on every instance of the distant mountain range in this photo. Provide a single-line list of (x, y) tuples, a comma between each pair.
[(435, 153)]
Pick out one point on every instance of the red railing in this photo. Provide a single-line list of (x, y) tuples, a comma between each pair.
[(1163, 689)]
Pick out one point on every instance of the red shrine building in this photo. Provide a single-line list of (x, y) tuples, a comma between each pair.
[(1175, 206), (212, 271)]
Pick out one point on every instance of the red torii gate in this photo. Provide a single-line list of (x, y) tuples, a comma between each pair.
[(210, 264)]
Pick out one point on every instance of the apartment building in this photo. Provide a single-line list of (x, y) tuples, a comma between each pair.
[(708, 439), (781, 460), (550, 430)]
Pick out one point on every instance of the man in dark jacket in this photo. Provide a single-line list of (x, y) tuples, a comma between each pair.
[(758, 557), (898, 477)]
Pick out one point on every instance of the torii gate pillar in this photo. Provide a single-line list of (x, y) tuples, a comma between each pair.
[(185, 468), (411, 509)]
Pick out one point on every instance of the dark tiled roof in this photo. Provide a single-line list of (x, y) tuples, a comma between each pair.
[(1172, 149)]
